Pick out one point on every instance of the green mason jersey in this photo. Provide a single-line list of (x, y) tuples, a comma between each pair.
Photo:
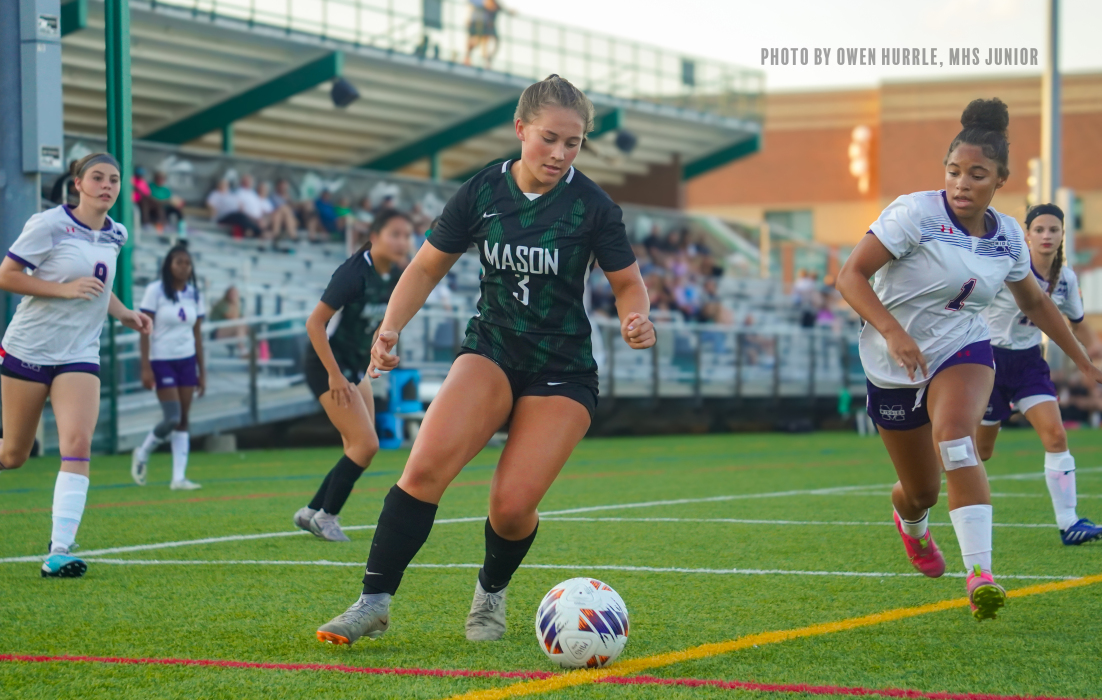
[(536, 252), (360, 295)]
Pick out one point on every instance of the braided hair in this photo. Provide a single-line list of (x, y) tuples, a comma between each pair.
[(1053, 275), (168, 282)]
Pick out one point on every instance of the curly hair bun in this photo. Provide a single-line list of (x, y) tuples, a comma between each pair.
[(989, 115)]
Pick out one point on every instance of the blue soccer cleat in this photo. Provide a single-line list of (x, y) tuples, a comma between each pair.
[(1082, 531), (59, 565)]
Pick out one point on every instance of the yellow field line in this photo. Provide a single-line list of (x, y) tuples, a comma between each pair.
[(631, 666)]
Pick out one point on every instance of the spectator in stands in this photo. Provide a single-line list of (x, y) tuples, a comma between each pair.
[(228, 308), (482, 29), (303, 211), (363, 212), (149, 209), (805, 295), (712, 309), (1080, 403), (252, 205), (171, 205), (326, 224), (64, 190), (387, 204), (420, 219), (281, 221), (225, 209)]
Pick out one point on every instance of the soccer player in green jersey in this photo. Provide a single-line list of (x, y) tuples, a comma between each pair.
[(336, 362), (526, 362)]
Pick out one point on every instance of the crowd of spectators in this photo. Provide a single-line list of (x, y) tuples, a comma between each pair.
[(269, 213)]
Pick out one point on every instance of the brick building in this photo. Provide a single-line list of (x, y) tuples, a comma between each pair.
[(802, 174)]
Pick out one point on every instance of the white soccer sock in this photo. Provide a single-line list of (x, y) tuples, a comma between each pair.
[(70, 495), (181, 445), (1060, 477), (915, 528), (973, 528), (151, 443)]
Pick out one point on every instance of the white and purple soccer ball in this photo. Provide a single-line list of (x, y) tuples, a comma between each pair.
[(582, 623)]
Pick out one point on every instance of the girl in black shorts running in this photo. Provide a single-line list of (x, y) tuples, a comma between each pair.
[(526, 361), (336, 362)]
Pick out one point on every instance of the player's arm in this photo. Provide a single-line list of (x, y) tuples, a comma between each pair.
[(14, 279), (148, 380), (316, 326), (200, 358), (853, 283), (1042, 311), (419, 279), (134, 320), (1087, 336), (632, 306)]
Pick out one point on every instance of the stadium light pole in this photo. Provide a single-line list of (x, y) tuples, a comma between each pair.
[(1050, 107)]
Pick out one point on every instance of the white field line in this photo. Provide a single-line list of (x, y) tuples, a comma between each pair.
[(646, 504), (747, 521), (993, 495), (579, 567), (479, 518)]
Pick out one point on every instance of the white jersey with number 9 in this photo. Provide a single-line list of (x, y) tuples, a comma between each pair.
[(56, 247)]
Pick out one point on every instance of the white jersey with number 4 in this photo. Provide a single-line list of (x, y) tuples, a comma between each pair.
[(939, 282), (58, 248), (173, 321), (1009, 326)]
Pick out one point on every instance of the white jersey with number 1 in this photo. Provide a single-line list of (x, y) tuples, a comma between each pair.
[(939, 282), (1009, 326), (56, 247)]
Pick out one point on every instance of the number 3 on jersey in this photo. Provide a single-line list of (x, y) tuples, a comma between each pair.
[(957, 303), (522, 295)]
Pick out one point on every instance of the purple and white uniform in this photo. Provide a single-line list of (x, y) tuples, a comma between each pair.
[(49, 336), (1022, 378), (172, 344), (936, 287)]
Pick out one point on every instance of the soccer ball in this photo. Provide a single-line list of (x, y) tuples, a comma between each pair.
[(582, 623)]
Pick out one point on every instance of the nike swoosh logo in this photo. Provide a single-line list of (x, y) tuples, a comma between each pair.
[(487, 216), (555, 383)]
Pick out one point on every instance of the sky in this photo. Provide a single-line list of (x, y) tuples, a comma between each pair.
[(735, 31)]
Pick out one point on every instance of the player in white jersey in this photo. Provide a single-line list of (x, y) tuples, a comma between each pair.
[(172, 362), (51, 347), (939, 258), (1022, 376)]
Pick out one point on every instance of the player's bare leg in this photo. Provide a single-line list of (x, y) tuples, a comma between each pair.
[(23, 402), (543, 432)]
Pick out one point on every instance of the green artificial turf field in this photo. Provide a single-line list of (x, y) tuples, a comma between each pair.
[(692, 570)]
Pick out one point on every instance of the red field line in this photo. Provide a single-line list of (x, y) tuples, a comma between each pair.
[(814, 689), (533, 675), (223, 663)]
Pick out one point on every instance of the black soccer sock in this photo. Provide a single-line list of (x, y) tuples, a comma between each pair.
[(503, 558), (319, 498), (403, 527), (341, 480)]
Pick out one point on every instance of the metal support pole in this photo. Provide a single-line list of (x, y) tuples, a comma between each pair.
[(254, 372), (1050, 107), (764, 252), (434, 167), (697, 360), (120, 130), (227, 138)]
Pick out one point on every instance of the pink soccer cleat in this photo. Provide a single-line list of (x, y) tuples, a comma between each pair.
[(984, 594), (922, 551)]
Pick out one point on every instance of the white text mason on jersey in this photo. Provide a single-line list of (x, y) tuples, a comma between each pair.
[(534, 261)]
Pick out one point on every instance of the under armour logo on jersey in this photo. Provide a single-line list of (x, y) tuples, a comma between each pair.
[(943, 228), (893, 413)]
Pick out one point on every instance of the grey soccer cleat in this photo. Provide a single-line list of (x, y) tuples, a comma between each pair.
[(302, 518), (328, 527), (139, 461), (486, 620), (368, 617)]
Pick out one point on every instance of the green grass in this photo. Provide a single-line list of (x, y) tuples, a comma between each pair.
[(1041, 645)]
